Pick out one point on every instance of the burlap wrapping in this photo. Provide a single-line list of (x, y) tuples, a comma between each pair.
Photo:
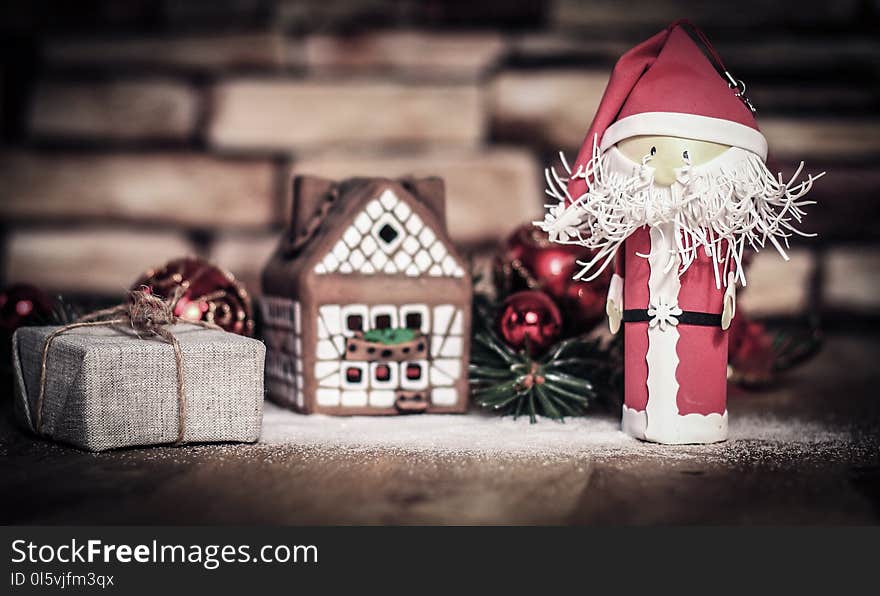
[(107, 388)]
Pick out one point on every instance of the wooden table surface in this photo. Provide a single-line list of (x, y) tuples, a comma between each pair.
[(744, 482)]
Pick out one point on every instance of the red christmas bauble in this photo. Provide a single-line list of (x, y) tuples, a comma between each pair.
[(529, 320), (23, 304), (750, 352), (528, 260), (208, 293)]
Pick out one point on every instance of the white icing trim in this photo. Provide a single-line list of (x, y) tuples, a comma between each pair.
[(327, 397), (341, 251), (457, 326), (411, 244), (691, 126), (354, 398), (402, 210), (445, 371), (436, 345), (325, 350), (415, 224), (444, 396), (689, 429), (297, 318), (452, 347), (363, 222), (351, 236), (374, 209), (323, 369), (331, 381), (382, 399), (402, 260), (329, 316), (443, 314), (368, 245), (388, 199)]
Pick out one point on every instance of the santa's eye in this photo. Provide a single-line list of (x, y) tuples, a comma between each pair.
[(685, 154), (653, 151)]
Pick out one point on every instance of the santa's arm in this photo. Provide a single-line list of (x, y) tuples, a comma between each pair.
[(729, 310), (614, 302)]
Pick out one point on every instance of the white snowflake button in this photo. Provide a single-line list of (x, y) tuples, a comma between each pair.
[(663, 313)]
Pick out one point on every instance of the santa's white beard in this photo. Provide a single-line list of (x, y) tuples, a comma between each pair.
[(719, 207)]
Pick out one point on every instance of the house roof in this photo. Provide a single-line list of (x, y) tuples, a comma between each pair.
[(389, 236), (375, 227)]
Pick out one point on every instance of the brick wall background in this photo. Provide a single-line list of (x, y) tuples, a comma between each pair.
[(134, 131)]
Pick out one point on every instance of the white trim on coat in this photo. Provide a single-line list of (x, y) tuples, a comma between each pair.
[(690, 429)]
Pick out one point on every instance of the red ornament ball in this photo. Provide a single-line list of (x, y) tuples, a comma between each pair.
[(528, 260), (750, 352), (529, 320), (23, 304), (208, 293)]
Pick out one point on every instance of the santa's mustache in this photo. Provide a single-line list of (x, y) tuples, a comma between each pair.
[(719, 209)]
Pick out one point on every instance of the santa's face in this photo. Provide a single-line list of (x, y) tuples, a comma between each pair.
[(669, 153)]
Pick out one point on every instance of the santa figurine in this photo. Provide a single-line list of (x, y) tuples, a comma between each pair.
[(669, 188)]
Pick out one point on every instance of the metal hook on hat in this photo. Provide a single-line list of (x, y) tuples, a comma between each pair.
[(739, 90)]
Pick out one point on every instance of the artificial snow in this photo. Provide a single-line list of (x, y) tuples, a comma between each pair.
[(479, 433)]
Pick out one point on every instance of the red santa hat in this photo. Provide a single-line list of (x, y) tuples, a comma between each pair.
[(673, 84)]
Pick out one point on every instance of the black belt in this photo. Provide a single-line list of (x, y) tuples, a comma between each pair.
[(688, 317)]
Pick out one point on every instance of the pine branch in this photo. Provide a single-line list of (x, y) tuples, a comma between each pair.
[(794, 347), (572, 376)]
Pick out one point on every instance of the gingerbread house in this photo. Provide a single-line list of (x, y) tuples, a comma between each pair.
[(367, 304)]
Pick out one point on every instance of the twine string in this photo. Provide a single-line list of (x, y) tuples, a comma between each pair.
[(149, 316)]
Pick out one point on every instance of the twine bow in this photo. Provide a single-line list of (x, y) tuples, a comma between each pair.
[(149, 316)]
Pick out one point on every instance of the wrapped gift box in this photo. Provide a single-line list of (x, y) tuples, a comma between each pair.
[(108, 388)]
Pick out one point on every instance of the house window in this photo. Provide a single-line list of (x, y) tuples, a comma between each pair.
[(414, 375), (414, 320), (354, 318), (388, 234), (383, 316), (354, 323), (383, 375), (382, 372), (415, 316), (353, 375), (413, 371)]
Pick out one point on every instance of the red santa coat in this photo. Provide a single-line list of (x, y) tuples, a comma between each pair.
[(675, 374)]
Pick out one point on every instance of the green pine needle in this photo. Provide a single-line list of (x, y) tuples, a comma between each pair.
[(563, 382)]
